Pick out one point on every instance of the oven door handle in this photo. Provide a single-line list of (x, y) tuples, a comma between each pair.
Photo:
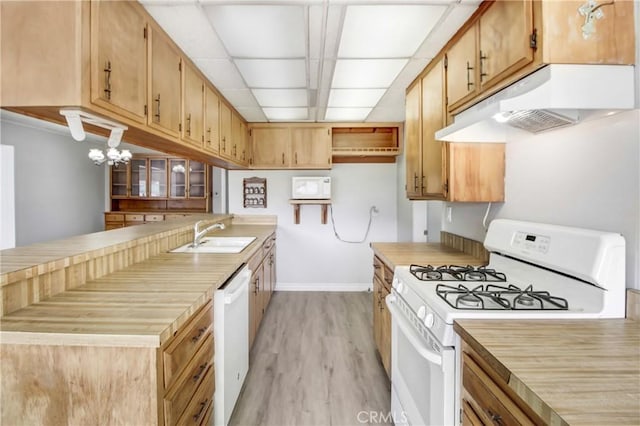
[(407, 329)]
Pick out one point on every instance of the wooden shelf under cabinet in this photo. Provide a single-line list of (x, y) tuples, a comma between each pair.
[(296, 209), (364, 144)]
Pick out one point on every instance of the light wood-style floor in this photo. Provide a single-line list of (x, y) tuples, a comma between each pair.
[(314, 362)]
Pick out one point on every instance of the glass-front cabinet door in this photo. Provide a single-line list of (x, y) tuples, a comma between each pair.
[(158, 177), (119, 183), (138, 177), (197, 179), (178, 178)]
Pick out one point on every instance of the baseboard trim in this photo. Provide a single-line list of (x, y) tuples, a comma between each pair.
[(323, 286)]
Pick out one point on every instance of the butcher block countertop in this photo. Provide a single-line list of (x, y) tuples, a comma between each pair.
[(575, 372), (140, 305), (405, 254)]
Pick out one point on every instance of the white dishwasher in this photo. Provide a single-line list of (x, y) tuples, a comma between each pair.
[(231, 336)]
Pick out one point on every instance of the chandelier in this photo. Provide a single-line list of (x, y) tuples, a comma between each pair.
[(114, 157)]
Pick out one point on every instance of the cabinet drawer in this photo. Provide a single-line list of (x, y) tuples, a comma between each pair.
[(378, 268), (268, 243), (197, 409), (113, 225), (206, 420), (153, 217), (134, 217), (174, 216), (185, 343), (188, 381), (487, 399), (113, 217), (388, 277)]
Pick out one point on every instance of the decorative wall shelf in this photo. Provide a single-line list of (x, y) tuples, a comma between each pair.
[(254, 192), (296, 209)]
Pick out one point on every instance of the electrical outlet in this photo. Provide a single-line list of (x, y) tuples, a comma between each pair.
[(449, 211)]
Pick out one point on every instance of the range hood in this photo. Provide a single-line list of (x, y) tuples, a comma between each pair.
[(554, 96)]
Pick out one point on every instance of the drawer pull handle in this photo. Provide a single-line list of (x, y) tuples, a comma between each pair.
[(201, 370), (495, 418), (197, 337), (203, 405)]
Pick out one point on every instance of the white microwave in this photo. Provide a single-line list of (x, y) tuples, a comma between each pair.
[(311, 188)]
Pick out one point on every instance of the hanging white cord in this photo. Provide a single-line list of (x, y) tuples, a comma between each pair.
[(484, 219), (373, 210)]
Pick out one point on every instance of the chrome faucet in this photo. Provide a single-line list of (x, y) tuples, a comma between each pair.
[(198, 234)]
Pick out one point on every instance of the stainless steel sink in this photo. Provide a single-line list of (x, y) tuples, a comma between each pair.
[(217, 245)]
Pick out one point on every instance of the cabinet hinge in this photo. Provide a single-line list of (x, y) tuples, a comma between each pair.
[(202, 88), (179, 66), (144, 33), (179, 127), (533, 39), (202, 137), (446, 61), (145, 110), (250, 132)]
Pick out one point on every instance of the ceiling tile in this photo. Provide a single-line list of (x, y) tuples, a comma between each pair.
[(281, 97), (392, 97), (366, 73), (252, 115), (347, 114), (392, 114), (273, 73), (260, 31), (240, 98), (286, 114), (410, 71), (354, 97), (386, 31), (222, 73), (189, 28), (457, 16)]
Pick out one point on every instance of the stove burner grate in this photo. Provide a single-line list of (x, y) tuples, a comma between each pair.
[(456, 273), (496, 297)]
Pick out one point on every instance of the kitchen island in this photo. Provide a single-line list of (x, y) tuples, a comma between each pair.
[(110, 328), (563, 372)]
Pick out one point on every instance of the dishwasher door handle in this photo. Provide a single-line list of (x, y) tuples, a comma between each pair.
[(229, 299), (412, 335)]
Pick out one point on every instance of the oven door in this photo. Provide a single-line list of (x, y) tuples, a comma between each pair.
[(422, 371)]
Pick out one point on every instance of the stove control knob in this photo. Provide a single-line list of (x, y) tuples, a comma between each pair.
[(429, 320), (422, 312)]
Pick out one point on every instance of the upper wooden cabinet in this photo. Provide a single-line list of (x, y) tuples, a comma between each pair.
[(226, 145), (290, 146), (462, 69), (270, 147), (413, 141), (211, 120), (165, 79), (239, 143), (119, 58), (311, 147), (446, 171), (193, 107), (111, 59), (507, 40)]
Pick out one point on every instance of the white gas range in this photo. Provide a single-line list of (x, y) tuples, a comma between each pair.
[(534, 271)]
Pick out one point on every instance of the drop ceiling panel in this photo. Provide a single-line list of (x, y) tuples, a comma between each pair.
[(281, 97), (347, 114), (273, 73), (386, 31), (252, 115), (257, 31), (240, 98), (355, 97), (286, 114), (222, 73), (366, 73)]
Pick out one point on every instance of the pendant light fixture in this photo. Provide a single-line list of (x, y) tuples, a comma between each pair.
[(114, 157)]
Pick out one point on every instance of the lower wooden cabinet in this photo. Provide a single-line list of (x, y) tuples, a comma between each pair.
[(96, 384), (382, 277), (262, 285), (487, 398), (114, 220)]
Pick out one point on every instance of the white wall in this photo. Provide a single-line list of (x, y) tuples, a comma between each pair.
[(59, 192), (585, 176), (7, 199), (309, 257)]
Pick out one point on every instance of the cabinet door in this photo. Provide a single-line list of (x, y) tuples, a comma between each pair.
[(139, 177), (197, 180), (211, 120), (177, 178), (119, 58), (164, 85), (236, 137), (433, 119), (158, 177), (193, 112), (505, 28), (270, 147), (119, 182), (225, 130), (462, 68), (413, 142), (311, 147), (476, 171), (244, 153), (385, 332), (255, 309)]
